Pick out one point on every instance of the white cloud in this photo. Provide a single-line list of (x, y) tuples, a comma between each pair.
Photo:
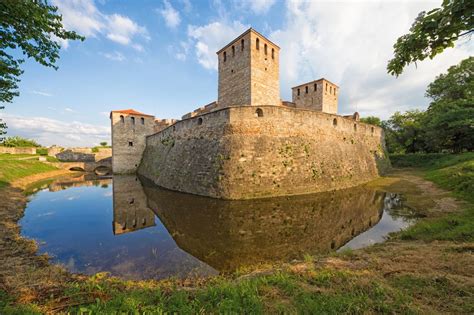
[(256, 6), (70, 110), (208, 39), (169, 14), (49, 131), (115, 56), (84, 17), (350, 44), (41, 93), (121, 29)]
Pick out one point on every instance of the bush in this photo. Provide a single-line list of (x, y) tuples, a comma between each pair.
[(18, 141), (42, 151)]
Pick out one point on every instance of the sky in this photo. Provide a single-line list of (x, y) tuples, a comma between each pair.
[(159, 57)]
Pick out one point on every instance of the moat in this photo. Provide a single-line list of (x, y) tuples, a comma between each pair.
[(133, 229)]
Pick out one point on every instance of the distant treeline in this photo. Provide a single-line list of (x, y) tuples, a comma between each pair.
[(448, 123)]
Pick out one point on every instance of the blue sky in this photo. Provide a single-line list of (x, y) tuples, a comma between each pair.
[(158, 57)]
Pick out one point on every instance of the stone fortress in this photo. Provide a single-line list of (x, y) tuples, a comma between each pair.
[(250, 143)]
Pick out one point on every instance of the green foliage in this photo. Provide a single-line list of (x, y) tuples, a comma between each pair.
[(432, 32), (42, 151), (31, 26), (372, 120), (18, 141), (403, 132), (448, 123), (95, 149), (104, 144)]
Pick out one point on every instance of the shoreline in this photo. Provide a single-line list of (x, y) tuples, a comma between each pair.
[(32, 278)]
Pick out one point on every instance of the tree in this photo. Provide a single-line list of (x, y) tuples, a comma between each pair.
[(34, 27), (449, 122), (104, 144), (371, 120), (404, 133), (433, 32)]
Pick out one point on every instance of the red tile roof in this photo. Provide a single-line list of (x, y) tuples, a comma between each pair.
[(130, 112)]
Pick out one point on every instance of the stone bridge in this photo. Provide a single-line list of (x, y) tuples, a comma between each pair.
[(101, 167)]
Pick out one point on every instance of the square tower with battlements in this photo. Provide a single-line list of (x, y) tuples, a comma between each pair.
[(249, 71), (129, 131), (320, 95)]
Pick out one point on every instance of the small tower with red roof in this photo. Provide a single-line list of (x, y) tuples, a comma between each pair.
[(129, 131)]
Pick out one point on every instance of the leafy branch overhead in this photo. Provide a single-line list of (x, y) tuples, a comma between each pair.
[(432, 32), (34, 27)]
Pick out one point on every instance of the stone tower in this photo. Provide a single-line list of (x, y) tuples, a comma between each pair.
[(249, 71), (129, 131), (320, 95)]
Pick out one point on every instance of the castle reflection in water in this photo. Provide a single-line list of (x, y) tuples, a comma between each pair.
[(229, 234)]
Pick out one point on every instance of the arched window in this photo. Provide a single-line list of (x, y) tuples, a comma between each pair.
[(259, 112), (258, 44), (334, 122), (265, 49), (200, 121), (122, 119), (225, 56), (133, 120), (233, 50), (242, 45), (273, 53), (306, 89), (142, 120)]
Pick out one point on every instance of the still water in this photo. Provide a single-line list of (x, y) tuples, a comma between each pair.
[(135, 230)]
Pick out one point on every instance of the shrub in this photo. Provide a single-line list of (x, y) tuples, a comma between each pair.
[(18, 141)]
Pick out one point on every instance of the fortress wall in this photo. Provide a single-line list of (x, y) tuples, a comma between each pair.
[(186, 156), (234, 154)]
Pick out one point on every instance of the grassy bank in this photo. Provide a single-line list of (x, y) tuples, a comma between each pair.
[(16, 166), (451, 172), (425, 269)]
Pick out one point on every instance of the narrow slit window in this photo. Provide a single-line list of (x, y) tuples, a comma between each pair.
[(315, 87), (273, 53), (225, 56), (130, 144), (306, 89), (298, 92), (265, 49), (233, 51), (242, 45), (142, 120), (258, 44), (122, 119), (133, 120)]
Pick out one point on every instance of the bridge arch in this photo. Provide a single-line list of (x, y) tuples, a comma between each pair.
[(102, 170), (77, 169)]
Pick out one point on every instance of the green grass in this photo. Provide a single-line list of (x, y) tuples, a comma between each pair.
[(319, 291), (12, 168), (454, 172), (430, 161)]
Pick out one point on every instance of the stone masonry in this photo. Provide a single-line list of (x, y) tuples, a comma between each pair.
[(249, 71), (250, 143)]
